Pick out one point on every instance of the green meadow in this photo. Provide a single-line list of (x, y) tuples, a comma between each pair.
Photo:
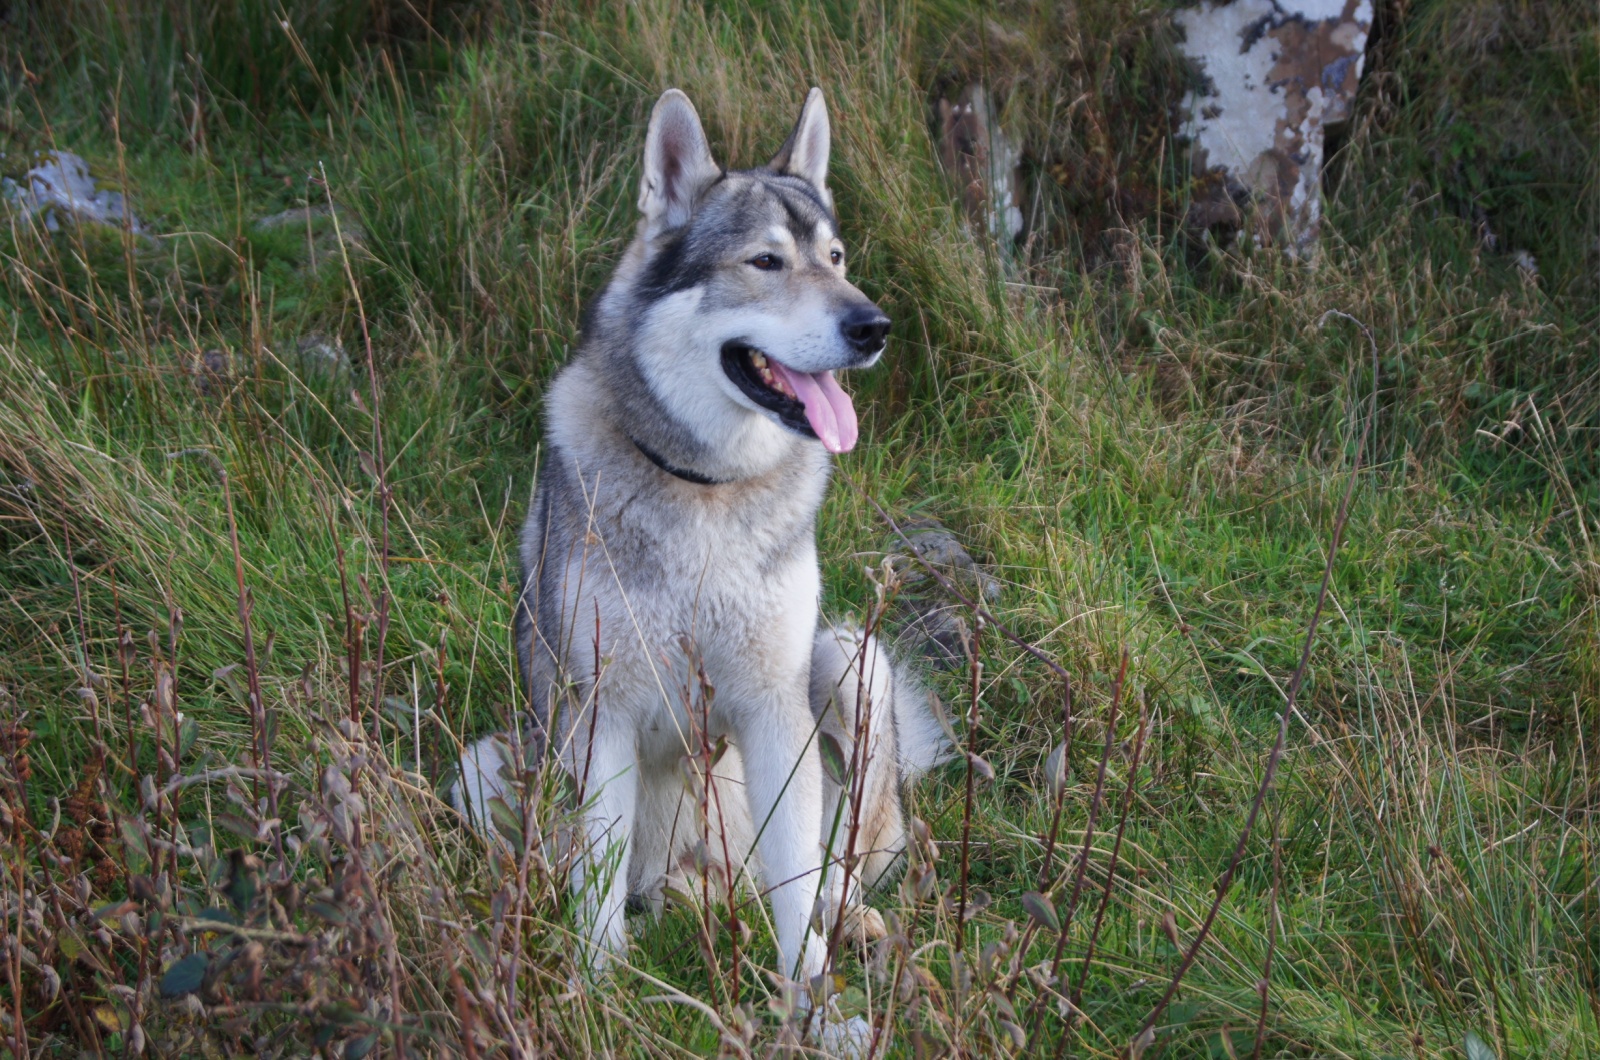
[(260, 487)]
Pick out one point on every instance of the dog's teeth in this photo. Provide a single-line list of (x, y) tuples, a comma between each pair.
[(764, 372)]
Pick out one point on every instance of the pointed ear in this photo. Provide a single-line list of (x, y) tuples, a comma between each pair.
[(678, 166), (805, 153)]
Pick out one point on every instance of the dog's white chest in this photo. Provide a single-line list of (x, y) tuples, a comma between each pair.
[(660, 591)]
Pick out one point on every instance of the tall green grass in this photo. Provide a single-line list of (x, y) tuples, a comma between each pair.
[(1144, 437)]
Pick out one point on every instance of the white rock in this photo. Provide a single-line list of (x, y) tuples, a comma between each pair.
[(1278, 72), (61, 181)]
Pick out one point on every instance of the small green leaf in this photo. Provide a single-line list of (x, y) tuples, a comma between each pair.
[(1477, 1048), (231, 679), (70, 943), (399, 712), (342, 1013), (331, 913), (243, 885), (356, 1048), (475, 944), (133, 841), (185, 976), (188, 732), (1041, 910), (232, 822), (1056, 772), (507, 822), (833, 760), (676, 897)]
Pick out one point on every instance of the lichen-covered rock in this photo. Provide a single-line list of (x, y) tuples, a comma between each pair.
[(1277, 73), (934, 619), (61, 184)]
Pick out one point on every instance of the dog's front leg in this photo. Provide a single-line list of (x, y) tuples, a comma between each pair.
[(600, 876), (783, 776)]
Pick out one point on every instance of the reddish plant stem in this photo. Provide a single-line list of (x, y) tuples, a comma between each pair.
[(1291, 695), (1047, 870), (860, 753), (1088, 843), (380, 467), (1265, 986), (19, 1025), (1116, 852), (157, 663), (856, 790), (352, 633), (125, 660), (174, 627), (83, 643), (260, 738), (464, 1010), (975, 669), (708, 796), (441, 690)]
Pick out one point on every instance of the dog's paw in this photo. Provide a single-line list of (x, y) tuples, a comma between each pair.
[(863, 924), (845, 1038)]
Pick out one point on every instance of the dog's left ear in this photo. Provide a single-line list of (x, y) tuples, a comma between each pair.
[(805, 153)]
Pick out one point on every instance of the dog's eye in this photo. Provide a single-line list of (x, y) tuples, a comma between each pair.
[(767, 262), (837, 257)]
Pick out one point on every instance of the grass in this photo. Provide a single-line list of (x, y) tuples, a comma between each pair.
[(1145, 437)]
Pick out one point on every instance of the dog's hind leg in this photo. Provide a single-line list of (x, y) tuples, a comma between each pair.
[(480, 779), (858, 690)]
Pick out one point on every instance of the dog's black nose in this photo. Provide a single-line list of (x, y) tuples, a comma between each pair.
[(865, 328)]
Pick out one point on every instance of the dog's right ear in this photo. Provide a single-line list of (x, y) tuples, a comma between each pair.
[(678, 166)]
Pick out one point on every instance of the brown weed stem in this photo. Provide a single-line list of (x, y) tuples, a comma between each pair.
[(1290, 695)]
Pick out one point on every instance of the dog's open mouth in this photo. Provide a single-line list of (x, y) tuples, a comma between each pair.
[(809, 403)]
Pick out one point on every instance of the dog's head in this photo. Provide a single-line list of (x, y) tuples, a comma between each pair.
[(737, 284)]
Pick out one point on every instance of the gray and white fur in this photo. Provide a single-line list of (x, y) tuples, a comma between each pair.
[(670, 583)]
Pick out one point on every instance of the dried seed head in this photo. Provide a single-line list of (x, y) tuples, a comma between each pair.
[(50, 986), (1169, 926)]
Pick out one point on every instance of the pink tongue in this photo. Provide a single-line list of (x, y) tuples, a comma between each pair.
[(828, 408)]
